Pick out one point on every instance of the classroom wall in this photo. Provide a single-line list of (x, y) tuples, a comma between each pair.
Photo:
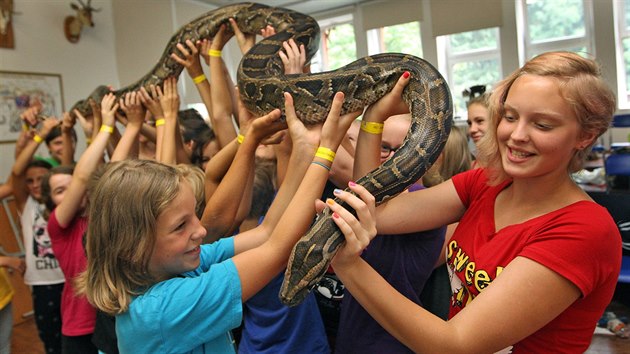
[(130, 36)]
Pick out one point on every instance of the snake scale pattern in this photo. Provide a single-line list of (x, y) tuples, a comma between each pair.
[(261, 82)]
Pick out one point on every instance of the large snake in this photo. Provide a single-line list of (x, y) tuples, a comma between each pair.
[(261, 81)]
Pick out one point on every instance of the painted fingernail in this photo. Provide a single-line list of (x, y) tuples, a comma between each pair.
[(330, 201), (351, 184), (335, 215), (337, 191), (406, 74)]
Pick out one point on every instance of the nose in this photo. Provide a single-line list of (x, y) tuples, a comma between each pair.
[(520, 131), (200, 231)]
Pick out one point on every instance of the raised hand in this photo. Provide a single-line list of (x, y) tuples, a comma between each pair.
[(133, 108), (294, 58), (68, 121), (336, 126), (152, 101), (169, 99), (245, 41), (190, 59), (390, 104), (108, 109), (30, 115)]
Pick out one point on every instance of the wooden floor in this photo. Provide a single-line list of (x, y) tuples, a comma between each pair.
[(26, 341)]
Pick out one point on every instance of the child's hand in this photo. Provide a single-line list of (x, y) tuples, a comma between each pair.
[(245, 41), (48, 124), (190, 59), (108, 109), (152, 101), (131, 105), (86, 124), (359, 230), (265, 128), (169, 100), (390, 104), (335, 126), (68, 122), (294, 58)]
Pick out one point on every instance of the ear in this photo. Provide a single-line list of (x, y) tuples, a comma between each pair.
[(585, 140)]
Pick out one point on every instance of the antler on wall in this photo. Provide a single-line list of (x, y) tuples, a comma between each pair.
[(74, 24)]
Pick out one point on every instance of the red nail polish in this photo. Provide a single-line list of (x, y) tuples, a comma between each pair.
[(406, 74), (335, 215)]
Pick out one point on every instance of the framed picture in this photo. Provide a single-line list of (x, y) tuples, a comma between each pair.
[(18, 90)]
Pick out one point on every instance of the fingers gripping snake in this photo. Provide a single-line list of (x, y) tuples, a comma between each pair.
[(261, 81)]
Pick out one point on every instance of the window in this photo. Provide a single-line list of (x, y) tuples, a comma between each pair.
[(622, 15), (556, 25), (469, 59), (337, 45), (403, 38)]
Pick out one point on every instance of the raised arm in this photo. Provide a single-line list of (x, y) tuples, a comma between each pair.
[(90, 159), (151, 102), (222, 108), (68, 139), (293, 208), (221, 210), (18, 171), (135, 112)]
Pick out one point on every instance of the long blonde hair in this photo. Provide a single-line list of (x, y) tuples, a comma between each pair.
[(125, 205), (456, 158), (581, 85)]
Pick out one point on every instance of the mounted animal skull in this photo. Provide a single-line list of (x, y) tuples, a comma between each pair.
[(6, 27), (74, 24)]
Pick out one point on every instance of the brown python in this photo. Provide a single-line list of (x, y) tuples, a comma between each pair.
[(261, 82)]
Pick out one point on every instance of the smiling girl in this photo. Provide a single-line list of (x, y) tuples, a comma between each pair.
[(534, 261)]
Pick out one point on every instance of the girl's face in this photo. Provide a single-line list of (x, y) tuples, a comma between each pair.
[(477, 121), (58, 185), (179, 235), (33, 177), (538, 133), (211, 149)]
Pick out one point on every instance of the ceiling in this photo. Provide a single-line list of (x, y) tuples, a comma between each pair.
[(309, 7)]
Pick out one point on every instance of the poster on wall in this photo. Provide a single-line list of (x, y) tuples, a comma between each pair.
[(18, 90)]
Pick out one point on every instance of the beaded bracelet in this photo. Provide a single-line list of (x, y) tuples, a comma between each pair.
[(214, 53), (325, 153), (160, 122), (372, 127), (199, 79), (38, 139), (107, 129)]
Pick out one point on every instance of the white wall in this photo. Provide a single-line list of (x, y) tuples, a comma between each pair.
[(40, 46)]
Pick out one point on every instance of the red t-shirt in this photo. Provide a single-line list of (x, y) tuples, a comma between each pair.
[(77, 315), (581, 242)]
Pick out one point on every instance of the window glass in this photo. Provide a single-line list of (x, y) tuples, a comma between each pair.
[(403, 38), (473, 40), (337, 45), (552, 20), (470, 73)]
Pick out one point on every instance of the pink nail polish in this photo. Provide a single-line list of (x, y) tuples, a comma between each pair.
[(351, 184)]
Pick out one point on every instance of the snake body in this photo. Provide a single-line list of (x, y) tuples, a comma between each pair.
[(261, 81)]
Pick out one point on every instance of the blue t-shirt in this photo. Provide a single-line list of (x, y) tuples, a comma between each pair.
[(192, 313), (272, 327)]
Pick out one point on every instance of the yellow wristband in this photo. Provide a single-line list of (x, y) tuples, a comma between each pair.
[(372, 127), (199, 79), (160, 122), (107, 128), (38, 139), (325, 153), (214, 53), (240, 138)]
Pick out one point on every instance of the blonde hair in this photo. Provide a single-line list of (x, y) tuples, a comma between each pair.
[(581, 85), (196, 178), (125, 204), (456, 158)]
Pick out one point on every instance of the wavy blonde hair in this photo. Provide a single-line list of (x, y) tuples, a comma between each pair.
[(581, 85), (125, 204)]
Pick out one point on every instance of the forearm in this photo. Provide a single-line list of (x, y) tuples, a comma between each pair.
[(127, 143), (218, 167), (23, 159), (67, 154), (222, 112), (149, 132), (220, 211), (169, 142)]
